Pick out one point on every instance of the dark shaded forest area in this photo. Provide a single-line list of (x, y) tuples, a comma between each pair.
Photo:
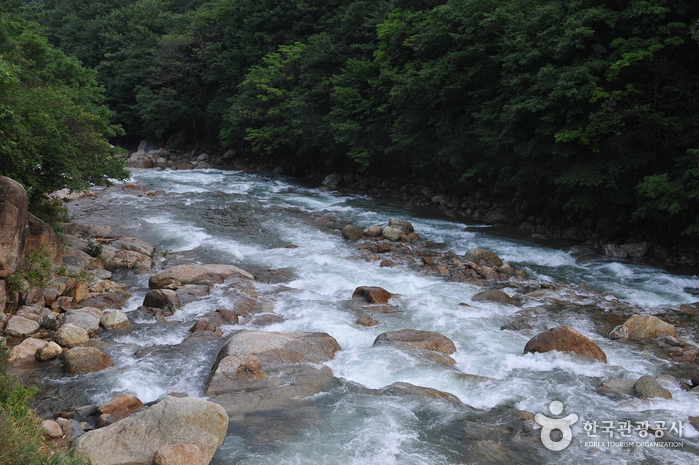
[(582, 106)]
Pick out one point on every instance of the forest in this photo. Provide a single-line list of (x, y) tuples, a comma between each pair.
[(580, 105)]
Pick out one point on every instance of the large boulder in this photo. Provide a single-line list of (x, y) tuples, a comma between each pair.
[(85, 360), (195, 274), (640, 327), (565, 339), (19, 326), (14, 218), (259, 371), (648, 387), (482, 257), (171, 421), (372, 294), (41, 236), (411, 338), (69, 335)]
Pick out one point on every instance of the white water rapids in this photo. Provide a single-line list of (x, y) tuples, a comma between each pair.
[(244, 219)]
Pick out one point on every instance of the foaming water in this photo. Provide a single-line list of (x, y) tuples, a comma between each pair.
[(246, 219)]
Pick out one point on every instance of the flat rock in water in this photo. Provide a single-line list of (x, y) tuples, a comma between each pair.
[(493, 295), (195, 274), (565, 339), (426, 340), (85, 360), (618, 386), (172, 421)]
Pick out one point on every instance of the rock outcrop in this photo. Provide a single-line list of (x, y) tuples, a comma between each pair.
[(14, 218)]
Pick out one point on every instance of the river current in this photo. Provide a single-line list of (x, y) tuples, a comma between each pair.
[(245, 219)]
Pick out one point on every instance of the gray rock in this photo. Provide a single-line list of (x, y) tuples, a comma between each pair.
[(87, 318), (493, 295), (391, 233), (614, 251), (85, 360), (162, 298), (403, 225), (69, 335), (172, 421), (411, 338), (114, 320), (648, 387), (351, 233), (72, 430), (636, 250), (332, 181), (19, 326), (618, 387), (373, 231), (14, 218), (50, 351)]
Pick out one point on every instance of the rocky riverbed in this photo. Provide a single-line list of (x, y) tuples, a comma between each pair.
[(332, 330)]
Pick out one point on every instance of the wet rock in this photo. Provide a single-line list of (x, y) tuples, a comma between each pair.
[(618, 386), (121, 407), (648, 387), (391, 233), (493, 295), (205, 325), (482, 257), (332, 181), (424, 393), (405, 226), (50, 351), (373, 231), (53, 430), (426, 340), (565, 339), (165, 299), (351, 233), (372, 294), (366, 320), (381, 248), (85, 360), (87, 318), (172, 421), (19, 326), (690, 309), (671, 341), (196, 274), (69, 335), (25, 351), (640, 327), (238, 382), (14, 218), (225, 317), (179, 454), (114, 320), (614, 251), (427, 260)]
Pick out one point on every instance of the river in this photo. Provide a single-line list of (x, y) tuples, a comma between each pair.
[(245, 219)]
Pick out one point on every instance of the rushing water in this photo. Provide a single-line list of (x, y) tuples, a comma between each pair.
[(245, 219)]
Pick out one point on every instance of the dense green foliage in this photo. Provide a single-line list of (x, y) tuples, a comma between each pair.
[(53, 130), (582, 105), (22, 437)]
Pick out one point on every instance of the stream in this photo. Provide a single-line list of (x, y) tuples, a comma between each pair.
[(246, 219)]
